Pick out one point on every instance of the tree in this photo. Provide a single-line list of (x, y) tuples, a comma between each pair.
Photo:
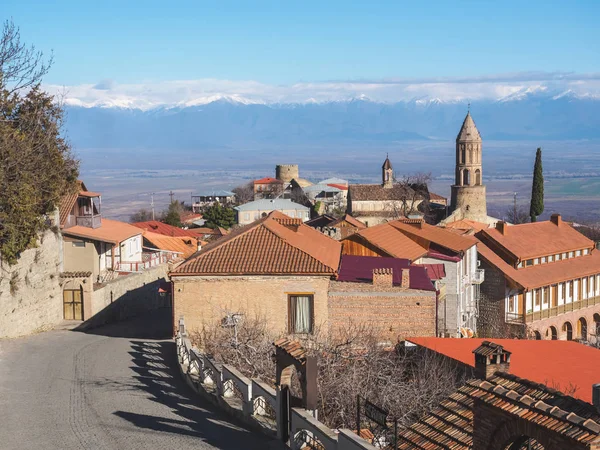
[(219, 216), (37, 166), (143, 215), (244, 193), (537, 189), (172, 215), (516, 216), (412, 195)]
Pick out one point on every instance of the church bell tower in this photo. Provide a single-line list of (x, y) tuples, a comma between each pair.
[(387, 174), (468, 191)]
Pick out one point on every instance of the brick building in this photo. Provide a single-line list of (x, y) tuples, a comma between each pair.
[(421, 243), (275, 268), (544, 276), (524, 395), (394, 297)]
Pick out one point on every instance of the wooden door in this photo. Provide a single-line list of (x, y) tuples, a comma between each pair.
[(73, 304)]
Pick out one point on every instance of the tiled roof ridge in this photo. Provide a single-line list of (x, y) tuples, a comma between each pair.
[(464, 241), (538, 406)]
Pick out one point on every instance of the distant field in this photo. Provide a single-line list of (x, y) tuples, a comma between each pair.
[(127, 179)]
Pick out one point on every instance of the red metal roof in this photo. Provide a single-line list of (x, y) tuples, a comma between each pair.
[(434, 271), (359, 269), (268, 180), (341, 187), (561, 365)]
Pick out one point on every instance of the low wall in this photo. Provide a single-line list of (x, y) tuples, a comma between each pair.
[(30, 292), (127, 296), (254, 402)]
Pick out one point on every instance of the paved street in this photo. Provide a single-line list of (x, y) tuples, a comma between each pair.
[(116, 389)]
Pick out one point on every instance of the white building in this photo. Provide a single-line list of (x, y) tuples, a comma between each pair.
[(251, 211)]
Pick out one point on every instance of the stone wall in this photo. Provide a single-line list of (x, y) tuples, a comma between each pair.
[(207, 300), (127, 296), (30, 294), (471, 200), (395, 313)]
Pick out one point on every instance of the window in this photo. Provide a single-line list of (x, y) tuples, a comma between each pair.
[(300, 313), (546, 295), (292, 214), (571, 289), (570, 254), (536, 261), (529, 262), (536, 294), (578, 253), (543, 260), (557, 257), (78, 243), (586, 251), (564, 256)]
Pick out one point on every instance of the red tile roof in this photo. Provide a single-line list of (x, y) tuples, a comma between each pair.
[(543, 274), (111, 231), (349, 220), (391, 241), (268, 180), (560, 365), (466, 224), (186, 246), (421, 230), (267, 247), (165, 229), (532, 240)]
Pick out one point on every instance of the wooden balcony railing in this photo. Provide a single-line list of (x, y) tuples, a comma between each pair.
[(562, 309), (91, 221)]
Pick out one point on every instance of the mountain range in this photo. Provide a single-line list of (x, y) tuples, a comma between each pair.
[(231, 122)]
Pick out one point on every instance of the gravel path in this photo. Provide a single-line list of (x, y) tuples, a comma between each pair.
[(116, 389)]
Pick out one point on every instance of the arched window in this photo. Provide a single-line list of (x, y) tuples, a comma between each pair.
[(466, 179), (537, 335), (463, 154), (478, 177), (553, 333), (568, 329), (582, 329)]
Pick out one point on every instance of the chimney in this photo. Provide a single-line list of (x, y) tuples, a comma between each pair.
[(199, 243), (596, 396), (383, 277), (501, 227), (556, 219), (489, 359), (405, 282)]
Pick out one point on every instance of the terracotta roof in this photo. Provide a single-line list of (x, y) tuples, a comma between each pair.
[(111, 231), (89, 194), (189, 216), (543, 274), (185, 245), (359, 269), (362, 192), (68, 201), (444, 238), (165, 229), (558, 364), (532, 240), (350, 220), (292, 348), (466, 224), (392, 241), (434, 196), (450, 424), (267, 247), (268, 180)]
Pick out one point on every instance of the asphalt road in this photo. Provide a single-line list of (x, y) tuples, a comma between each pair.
[(118, 388)]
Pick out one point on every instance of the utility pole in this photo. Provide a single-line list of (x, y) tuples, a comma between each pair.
[(152, 204), (515, 210), (171, 194)]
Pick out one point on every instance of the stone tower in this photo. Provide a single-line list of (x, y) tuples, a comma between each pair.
[(387, 174), (287, 172), (468, 191)]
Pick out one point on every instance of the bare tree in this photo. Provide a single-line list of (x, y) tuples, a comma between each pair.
[(412, 195), (21, 66), (142, 215), (351, 361), (244, 193), (516, 215)]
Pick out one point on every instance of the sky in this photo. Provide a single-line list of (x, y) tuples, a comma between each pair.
[(134, 46)]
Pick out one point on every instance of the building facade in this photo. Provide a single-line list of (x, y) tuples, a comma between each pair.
[(251, 211), (544, 281)]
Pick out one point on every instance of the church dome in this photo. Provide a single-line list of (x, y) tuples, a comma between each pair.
[(468, 131)]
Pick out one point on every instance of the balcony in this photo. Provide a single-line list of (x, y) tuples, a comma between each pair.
[(562, 309), (89, 220), (514, 318)]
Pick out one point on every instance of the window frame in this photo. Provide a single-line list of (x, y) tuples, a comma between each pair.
[(291, 317)]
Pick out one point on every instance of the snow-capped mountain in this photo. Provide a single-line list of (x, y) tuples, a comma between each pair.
[(531, 113)]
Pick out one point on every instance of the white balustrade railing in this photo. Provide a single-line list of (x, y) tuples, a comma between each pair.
[(257, 397)]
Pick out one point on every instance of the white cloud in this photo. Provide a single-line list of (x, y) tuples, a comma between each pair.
[(148, 95)]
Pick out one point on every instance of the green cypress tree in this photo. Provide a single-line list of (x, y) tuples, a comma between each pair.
[(537, 189)]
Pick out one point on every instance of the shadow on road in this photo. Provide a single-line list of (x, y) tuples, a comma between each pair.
[(157, 374), (153, 325)]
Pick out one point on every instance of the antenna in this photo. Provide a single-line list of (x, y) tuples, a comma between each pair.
[(469, 107), (171, 194)]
